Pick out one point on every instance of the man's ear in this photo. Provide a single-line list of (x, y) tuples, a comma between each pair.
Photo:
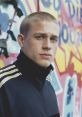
[(21, 40)]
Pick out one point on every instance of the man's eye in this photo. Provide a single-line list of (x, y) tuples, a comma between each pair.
[(39, 37), (54, 39)]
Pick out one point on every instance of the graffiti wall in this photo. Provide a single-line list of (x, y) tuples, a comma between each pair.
[(67, 76)]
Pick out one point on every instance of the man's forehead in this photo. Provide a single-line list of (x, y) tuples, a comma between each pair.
[(52, 27), (44, 27), (50, 24)]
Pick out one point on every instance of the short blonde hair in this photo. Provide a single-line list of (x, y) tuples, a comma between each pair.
[(34, 17)]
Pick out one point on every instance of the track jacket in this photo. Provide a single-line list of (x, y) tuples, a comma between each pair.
[(25, 92)]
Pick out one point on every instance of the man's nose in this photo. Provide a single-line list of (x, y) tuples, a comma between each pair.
[(47, 44)]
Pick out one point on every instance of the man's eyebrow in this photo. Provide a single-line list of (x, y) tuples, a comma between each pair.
[(42, 34), (55, 36)]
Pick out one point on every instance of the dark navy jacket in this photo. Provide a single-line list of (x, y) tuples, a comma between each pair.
[(25, 92)]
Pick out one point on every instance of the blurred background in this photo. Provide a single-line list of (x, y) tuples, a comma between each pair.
[(66, 79)]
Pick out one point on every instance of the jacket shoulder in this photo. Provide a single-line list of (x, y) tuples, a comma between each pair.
[(7, 73)]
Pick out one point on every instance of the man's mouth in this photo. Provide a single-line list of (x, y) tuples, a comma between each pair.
[(46, 56)]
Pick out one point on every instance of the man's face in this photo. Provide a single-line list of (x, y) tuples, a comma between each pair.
[(41, 43)]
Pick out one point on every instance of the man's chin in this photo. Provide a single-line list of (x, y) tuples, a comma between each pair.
[(44, 64)]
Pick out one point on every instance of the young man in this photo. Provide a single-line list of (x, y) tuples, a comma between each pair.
[(24, 89)]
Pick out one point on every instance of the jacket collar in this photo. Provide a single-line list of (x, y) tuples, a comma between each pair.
[(31, 70)]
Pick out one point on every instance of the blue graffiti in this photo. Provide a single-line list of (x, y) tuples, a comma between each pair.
[(22, 7), (73, 9), (69, 92), (81, 38), (64, 29), (70, 114), (46, 3), (80, 15), (57, 7), (81, 2), (4, 21), (67, 1), (69, 36)]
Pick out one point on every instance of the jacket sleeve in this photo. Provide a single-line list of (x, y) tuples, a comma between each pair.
[(4, 104)]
